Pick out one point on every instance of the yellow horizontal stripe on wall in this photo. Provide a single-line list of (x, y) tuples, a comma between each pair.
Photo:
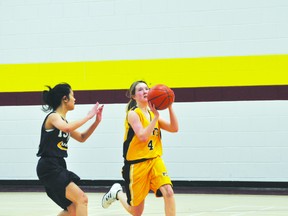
[(176, 73)]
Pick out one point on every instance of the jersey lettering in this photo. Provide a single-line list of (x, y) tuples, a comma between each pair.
[(150, 145), (155, 132), (62, 146), (63, 134)]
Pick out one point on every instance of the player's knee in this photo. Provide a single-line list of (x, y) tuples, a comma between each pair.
[(65, 213), (82, 199), (168, 191), (137, 210), (135, 213), (71, 211)]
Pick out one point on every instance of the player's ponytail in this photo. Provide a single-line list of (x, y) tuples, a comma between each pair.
[(52, 97)]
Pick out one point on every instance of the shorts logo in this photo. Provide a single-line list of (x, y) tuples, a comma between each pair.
[(165, 174), (62, 146)]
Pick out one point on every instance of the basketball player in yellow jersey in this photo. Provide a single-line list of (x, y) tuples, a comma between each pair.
[(143, 169), (134, 148)]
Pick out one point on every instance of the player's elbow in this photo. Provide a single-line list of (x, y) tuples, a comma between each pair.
[(82, 140), (174, 129)]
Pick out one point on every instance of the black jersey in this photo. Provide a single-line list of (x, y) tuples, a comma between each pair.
[(53, 142)]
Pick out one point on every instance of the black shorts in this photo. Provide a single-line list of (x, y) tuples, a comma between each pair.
[(53, 174)]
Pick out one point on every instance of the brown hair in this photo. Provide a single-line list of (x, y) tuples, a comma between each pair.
[(131, 92)]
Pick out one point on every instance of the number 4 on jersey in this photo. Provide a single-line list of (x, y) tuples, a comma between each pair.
[(150, 145)]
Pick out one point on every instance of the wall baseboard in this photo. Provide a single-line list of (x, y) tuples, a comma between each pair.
[(193, 187)]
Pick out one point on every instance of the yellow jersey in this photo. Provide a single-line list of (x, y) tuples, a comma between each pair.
[(135, 150)]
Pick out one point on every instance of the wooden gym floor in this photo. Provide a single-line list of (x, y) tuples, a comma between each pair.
[(38, 204)]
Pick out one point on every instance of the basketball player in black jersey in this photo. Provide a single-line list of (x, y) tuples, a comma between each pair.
[(60, 183)]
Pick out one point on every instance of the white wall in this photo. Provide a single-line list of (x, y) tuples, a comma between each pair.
[(243, 141), (217, 140), (91, 30)]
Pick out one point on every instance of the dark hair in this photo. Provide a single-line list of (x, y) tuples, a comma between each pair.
[(53, 96), (131, 92)]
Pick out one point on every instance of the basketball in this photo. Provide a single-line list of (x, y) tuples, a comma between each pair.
[(161, 96)]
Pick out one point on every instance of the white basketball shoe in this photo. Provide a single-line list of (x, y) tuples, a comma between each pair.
[(111, 195)]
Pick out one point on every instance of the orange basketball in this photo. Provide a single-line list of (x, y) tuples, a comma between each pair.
[(161, 96)]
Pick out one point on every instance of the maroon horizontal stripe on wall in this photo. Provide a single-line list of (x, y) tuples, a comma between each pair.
[(205, 94)]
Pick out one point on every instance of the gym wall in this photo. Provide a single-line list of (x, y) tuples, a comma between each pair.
[(225, 60)]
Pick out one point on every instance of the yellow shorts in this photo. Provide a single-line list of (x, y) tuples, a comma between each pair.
[(142, 177)]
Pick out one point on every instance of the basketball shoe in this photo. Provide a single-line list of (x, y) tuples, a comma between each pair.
[(111, 195)]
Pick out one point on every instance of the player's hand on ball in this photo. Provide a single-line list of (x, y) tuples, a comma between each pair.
[(153, 109), (161, 96)]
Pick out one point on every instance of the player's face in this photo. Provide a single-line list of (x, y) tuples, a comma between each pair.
[(141, 92), (71, 102)]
